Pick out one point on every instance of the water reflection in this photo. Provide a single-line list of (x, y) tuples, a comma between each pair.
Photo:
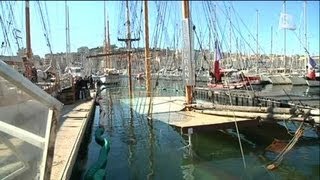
[(142, 149)]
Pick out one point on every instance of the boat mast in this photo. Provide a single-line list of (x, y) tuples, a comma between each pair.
[(105, 34), (147, 53), (67, 34), (188, 45), (28, 34), (129, 49), (109, 43), (285, 40), (257, 36), (305, 34), (230, 60), (271, 56)]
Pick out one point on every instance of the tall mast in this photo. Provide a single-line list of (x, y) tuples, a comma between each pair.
[(285, 40), (129, 49), (305, 34), (67, 34), (257, 36), (109, 43), (28, 36), (271, 56), (230, 60), (188, 45), (105, 34), (147, 53)]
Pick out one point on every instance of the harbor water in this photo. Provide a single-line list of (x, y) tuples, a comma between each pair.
[(142, 149)]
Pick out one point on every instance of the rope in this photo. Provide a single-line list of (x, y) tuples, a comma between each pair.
[(276, 162), (237, 129)]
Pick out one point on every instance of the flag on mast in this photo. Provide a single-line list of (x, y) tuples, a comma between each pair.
[(286, 22), (217, 51), (312, 62)]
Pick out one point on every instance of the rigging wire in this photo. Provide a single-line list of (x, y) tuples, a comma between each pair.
[(44, 27), (6, 44)]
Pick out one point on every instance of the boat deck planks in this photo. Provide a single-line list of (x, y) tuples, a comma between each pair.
[(73, 122), (170, 110), (198, 121)]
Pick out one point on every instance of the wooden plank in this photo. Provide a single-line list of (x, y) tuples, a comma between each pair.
[(198, 121)]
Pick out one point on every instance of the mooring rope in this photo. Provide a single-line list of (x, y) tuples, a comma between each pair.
[(237, 129), (276, 162)]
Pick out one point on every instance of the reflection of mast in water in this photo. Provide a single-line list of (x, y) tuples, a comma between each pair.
[(151, 149), (131, 138), (110, 111)]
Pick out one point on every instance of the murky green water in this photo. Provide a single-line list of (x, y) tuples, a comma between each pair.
[(153, 150)]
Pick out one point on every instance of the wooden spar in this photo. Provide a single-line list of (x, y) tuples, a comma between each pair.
[(68, 61), (253, 115), (108, 63), (285, 40), (129, 48), (305, 34), (28, 36), (105, 34), (247, 108), (26, 60), (257, 36), (274, 110), (147, 53), (119, 53), (186, 15), (109, 43), (271, 56)]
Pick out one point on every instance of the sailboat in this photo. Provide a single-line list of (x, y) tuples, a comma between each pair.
[(312, 69), (313, 75), (233, 79), (109, 75)]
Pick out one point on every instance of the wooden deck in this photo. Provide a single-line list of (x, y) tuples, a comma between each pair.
[(73, 122), (170, 110), (202, 122)]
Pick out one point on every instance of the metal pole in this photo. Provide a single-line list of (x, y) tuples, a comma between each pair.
[(147, 53)]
